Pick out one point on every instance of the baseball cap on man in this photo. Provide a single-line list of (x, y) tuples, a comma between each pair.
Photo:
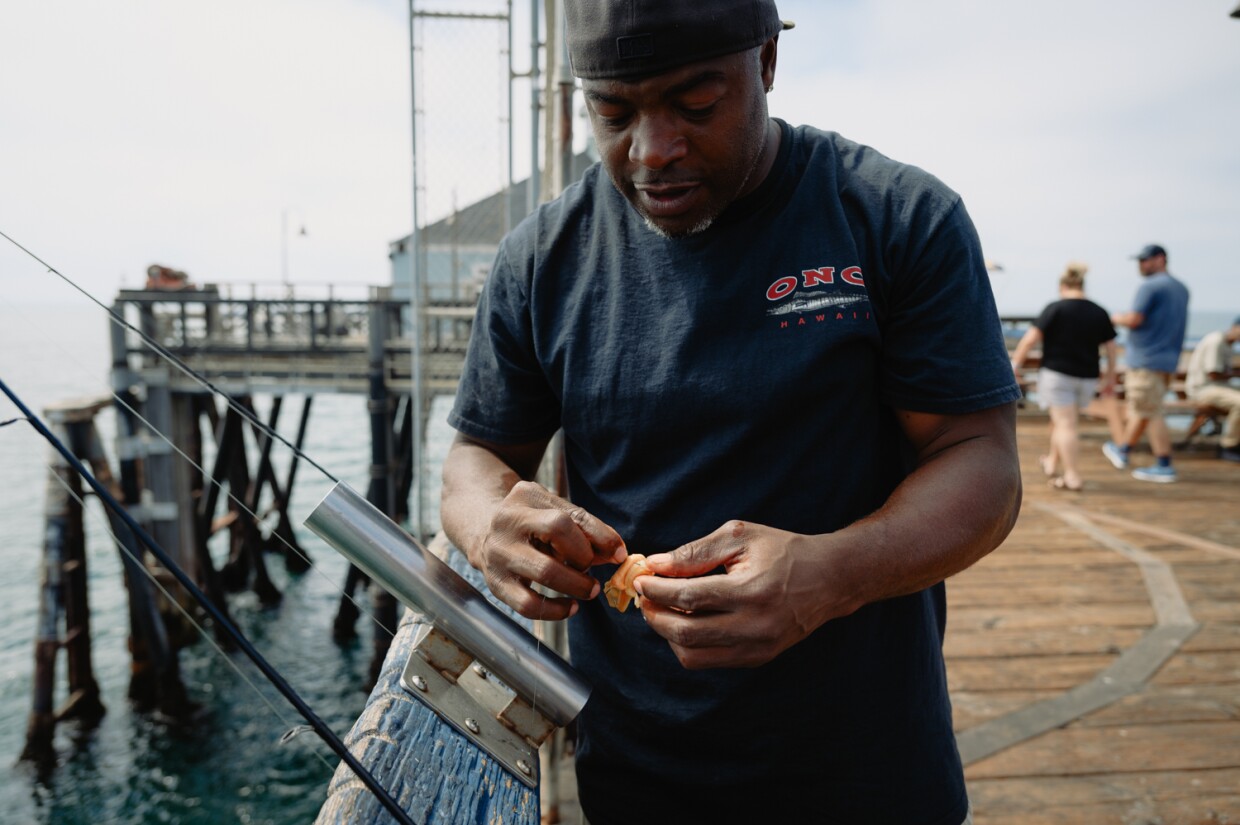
[(629, 39), (1149, 251)]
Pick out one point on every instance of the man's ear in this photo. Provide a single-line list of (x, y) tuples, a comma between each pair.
[(766, 60)]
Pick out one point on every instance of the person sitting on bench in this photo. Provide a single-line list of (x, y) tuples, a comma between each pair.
[(1208, 384)]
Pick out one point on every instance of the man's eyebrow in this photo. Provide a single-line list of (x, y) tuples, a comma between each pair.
[(688, 84), (602, 97), (696, 80)]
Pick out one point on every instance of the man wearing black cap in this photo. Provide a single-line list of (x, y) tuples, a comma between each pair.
[(778, 369), (1157, 323)]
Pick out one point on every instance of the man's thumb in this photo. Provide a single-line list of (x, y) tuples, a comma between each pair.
[(697, 558)]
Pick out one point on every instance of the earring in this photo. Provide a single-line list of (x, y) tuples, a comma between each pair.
[(770, 88)]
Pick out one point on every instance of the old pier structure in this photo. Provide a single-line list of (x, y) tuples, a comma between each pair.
[(186, 366)]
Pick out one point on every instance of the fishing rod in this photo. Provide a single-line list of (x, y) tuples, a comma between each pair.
[(273, 676)]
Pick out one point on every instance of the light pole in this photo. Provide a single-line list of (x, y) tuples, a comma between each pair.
[(284, 213)]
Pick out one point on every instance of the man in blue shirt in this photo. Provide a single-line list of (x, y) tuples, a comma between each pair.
[(1157, 323)]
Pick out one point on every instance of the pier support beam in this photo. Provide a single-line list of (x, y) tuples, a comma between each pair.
[(382, 492), (155, 676), (63, 596)]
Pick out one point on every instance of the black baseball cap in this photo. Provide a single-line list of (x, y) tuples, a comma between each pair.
[(1149, 251), (629, 39)]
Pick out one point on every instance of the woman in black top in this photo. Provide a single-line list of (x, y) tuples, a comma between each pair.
[(1070, 331)]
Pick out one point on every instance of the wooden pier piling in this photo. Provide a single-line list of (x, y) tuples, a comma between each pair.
[(63, 598)]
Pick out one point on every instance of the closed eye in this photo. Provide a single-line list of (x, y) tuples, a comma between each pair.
[(698, 113)]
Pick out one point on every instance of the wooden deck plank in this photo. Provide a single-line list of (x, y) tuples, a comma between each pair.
[(1201, 797), (1211, 668), (1033, 672), (1160, 704), (1066, 615), (1030, 594), (962, 644), (972, 708), (1085, 751)]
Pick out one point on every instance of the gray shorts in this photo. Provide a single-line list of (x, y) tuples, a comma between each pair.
[(1058, 390)]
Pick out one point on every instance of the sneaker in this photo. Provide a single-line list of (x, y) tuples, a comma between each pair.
[(1117, 457), (1162, 475), (1230, 454)]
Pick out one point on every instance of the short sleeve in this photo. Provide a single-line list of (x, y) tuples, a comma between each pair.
[(943, 348), (504, 395), (1046, 318), (1106, 329), (1144, 298)]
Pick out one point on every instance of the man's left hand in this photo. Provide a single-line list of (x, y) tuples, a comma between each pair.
[(769, 596)]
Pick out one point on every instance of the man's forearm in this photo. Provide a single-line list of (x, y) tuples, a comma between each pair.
[(955, 508), (475, 482)]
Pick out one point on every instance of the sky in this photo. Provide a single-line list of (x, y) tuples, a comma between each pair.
[(205, 136)]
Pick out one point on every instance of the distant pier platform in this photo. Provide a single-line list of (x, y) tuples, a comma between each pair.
[(294, 343)]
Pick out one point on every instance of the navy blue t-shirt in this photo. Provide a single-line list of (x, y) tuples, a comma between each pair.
[(751, 372)]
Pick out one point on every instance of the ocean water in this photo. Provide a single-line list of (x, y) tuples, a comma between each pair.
[(227, 764)]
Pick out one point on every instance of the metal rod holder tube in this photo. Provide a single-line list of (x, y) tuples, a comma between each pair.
[(364, 535)]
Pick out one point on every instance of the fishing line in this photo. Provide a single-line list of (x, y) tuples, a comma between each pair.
[(160, 350), (232, 403), (273, 676), (120, 545), (11, 421)]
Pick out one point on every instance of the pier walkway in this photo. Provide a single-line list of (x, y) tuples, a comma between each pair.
[(1094, 658)]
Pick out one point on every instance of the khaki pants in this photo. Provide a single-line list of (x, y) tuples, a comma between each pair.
[(1225, 398), (1144, 390)]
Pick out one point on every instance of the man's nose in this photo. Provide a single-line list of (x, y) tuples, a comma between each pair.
[(657, 143)]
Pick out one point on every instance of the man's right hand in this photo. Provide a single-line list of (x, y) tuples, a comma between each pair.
[(518, 533), (536, 537)]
